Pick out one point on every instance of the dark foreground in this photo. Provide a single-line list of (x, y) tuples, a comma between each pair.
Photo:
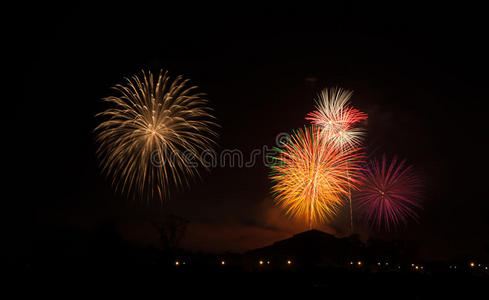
[(167, 279)]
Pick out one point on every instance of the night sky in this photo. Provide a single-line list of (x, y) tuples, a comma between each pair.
[(419, 72)]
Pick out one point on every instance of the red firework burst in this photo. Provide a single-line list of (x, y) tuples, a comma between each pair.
[(337, 119), (390, 194)]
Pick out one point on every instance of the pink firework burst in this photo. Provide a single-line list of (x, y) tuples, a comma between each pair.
[(390, 194)]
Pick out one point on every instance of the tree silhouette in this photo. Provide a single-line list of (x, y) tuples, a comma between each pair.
[(172, 229)]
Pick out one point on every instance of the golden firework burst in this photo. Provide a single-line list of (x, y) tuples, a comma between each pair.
[(153, 134)]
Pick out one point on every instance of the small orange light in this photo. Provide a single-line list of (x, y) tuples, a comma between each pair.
[(223, 262), (289, 262), (359, 263), (177, 263), (472, 264), (261, 262)]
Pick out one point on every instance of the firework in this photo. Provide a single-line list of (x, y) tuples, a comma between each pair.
[(337, 119), (390, 193), (153, 132), (309, 176)]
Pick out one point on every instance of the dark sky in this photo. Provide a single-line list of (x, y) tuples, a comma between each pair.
[(419, 72)]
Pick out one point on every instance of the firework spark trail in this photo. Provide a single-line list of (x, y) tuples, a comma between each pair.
[(309, 178), (338, 120), (151, 132), (390, 194)]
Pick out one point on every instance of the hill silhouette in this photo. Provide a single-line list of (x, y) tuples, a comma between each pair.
[(314, 248)]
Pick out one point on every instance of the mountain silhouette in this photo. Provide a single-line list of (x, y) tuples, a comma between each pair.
[(313, 247)]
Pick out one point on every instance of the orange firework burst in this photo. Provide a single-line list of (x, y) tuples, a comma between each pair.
[(310, 178)]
